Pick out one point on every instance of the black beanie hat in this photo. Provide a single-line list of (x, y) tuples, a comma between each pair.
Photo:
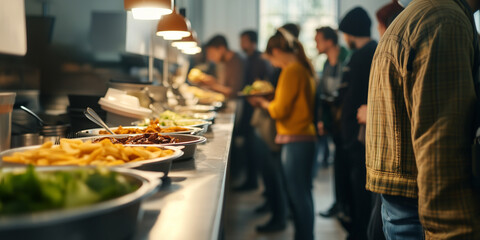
[(356, 23)]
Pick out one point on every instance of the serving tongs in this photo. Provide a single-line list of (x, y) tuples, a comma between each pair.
[(93, 116)]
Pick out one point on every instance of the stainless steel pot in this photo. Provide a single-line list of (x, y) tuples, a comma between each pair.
[(54, 130), (27, 139), (47, 133)]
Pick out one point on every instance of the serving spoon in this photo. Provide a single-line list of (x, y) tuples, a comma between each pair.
[(93, 116), (42, 123)]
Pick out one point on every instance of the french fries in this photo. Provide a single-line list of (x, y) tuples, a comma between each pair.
[(77, 152)]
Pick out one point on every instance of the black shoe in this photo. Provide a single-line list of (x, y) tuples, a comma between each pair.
[(332, 212), (262, 208), (271, 227)]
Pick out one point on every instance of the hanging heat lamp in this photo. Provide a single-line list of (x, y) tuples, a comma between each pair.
[(186, 42), (173, 26), (148, 9)]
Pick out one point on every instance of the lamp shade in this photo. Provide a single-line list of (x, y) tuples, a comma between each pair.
[(173, 26), (148, 9), (192, 51), (186, 42)]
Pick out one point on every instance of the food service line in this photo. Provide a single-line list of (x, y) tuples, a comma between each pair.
[(191, 206)]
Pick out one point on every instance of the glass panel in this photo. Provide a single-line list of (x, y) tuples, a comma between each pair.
[(309, 14)]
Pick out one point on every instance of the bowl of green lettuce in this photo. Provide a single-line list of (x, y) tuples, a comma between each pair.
[(71, 202)]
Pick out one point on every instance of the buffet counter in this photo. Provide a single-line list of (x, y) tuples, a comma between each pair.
[(190, 206)]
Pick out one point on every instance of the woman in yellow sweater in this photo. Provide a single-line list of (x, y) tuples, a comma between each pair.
[(292, 109)]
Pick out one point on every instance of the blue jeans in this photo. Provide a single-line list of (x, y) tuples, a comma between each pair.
[(400, 218), (322, 153), (297, 161), (271, 168)]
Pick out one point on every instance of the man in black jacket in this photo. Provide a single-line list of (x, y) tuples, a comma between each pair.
[(356, 31)]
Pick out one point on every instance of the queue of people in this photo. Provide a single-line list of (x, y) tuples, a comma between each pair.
[(401, 114)]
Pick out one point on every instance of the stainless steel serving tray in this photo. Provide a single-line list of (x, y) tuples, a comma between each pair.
[(112, 219)]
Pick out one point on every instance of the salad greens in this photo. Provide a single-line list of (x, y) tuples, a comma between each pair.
[(33, 191), (169, 115)]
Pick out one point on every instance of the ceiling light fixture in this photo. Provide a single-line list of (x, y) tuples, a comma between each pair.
[(173, 26), (186, 42), (192, 51), (148, 9)]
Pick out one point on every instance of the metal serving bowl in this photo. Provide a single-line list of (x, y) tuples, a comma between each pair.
[(208, 116), (196, 108), (199, 124), (96, 131), (112, 219), (188, 142), (146, 164), (195, 123)]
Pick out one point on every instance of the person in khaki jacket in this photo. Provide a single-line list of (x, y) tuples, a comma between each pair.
[(420, 122)]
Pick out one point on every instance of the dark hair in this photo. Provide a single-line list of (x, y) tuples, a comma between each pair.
[(293, 28), (217, 41), (388, 13), (251, 35), (280, 42), (328, 34)]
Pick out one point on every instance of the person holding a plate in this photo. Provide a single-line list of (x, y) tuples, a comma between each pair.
[(292, 108), (230, 67)]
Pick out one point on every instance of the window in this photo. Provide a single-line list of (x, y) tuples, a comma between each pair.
[(308, 14)]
